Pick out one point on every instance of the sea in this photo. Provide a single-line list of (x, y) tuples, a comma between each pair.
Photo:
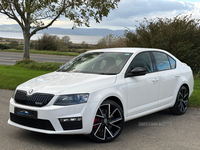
[(73, 38)]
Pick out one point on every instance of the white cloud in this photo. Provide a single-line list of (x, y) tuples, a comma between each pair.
[(5, 20), (129, 11)]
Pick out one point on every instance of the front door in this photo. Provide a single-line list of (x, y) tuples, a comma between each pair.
[(142, 91)]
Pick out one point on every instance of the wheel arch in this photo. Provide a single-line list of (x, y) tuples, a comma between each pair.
[(117, 100), (186, 85)]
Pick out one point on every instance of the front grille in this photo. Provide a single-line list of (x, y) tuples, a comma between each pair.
[(37, 99), (34, 123)]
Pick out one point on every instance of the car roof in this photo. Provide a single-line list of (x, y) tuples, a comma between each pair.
[(127, 49)]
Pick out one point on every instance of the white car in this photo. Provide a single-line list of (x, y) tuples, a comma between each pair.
[(97, 91)]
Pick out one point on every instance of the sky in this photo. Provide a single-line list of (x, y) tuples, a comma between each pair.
[(130, 12)]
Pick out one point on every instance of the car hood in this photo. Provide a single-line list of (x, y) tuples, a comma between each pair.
[(59, 83)]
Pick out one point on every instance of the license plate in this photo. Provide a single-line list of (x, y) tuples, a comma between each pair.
[(26, 113)]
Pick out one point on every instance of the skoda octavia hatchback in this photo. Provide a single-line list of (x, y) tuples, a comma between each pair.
[(97, 91)]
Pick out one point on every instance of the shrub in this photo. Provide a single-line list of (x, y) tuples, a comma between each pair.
[(19, 47), (110, 41), (3, 46), (13, 44), (48, 42), (180, 36)]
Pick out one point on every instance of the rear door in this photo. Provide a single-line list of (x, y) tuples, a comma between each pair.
[(168, 77)]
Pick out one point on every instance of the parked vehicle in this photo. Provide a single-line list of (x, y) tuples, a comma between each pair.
[(97, 91)]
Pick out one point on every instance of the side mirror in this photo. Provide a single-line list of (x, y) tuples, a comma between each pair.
[(138, 71)]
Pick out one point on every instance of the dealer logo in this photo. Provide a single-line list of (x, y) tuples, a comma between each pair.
[(23, 112)]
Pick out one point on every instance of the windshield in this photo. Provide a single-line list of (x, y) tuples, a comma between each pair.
[(97, 63)]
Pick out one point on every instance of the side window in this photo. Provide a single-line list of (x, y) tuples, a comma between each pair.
[(142, 60), (172, 62), (162, 61)]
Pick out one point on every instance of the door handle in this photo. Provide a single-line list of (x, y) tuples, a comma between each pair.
[(177, 75), (155, 80)]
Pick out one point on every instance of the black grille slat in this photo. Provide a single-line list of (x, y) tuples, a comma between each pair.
[(34, 123), (43, 98), (37, 99), (20, 97)]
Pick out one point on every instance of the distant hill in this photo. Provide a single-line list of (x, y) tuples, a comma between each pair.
[(10, 28), (63, 31)]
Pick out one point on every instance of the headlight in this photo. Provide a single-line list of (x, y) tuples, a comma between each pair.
[(13, 96), (73, 99)]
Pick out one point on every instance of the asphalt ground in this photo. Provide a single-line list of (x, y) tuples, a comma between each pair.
[(9, 58), (158, 131)]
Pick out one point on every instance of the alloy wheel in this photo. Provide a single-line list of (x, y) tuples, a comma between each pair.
[(183, 99), (181, 103), (108, 122)]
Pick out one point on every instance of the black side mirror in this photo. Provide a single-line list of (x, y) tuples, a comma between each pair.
[(138, 71)]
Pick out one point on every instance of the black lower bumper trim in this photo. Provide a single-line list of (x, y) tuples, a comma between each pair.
[(34, 123)]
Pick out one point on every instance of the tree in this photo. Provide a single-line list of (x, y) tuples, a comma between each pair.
[(179, 36), (48, 42), (110, 41), (84, 44), (32, 15), (66, 40)]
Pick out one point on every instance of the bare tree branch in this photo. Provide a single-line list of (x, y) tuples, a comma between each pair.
[(44, 27), (17, 6), (15, 18)]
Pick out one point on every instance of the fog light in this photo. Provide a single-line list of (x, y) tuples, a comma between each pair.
[(64, 120), (70, 119), (71, 123)]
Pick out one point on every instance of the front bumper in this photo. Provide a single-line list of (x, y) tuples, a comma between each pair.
[(73, 119)]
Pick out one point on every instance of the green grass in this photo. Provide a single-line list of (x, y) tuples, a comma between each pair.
[(12, 76), (46, 66), (43, 52), (195, 98)]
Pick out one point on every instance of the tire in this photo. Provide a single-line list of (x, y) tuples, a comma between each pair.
[(108, 122), (181, 104)]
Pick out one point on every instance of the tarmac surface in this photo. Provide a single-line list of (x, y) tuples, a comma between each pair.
[(158, 131), (9, 58)]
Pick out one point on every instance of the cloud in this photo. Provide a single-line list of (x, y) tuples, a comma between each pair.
[(5, 20), (129, 11), (130, 8)]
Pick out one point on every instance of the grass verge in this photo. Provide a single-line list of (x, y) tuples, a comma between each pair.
[(195, 98), (12, 76), (46, 66), (43, 52)]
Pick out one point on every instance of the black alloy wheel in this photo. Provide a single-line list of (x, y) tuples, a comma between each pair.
[(182, 99), (108, 122)]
